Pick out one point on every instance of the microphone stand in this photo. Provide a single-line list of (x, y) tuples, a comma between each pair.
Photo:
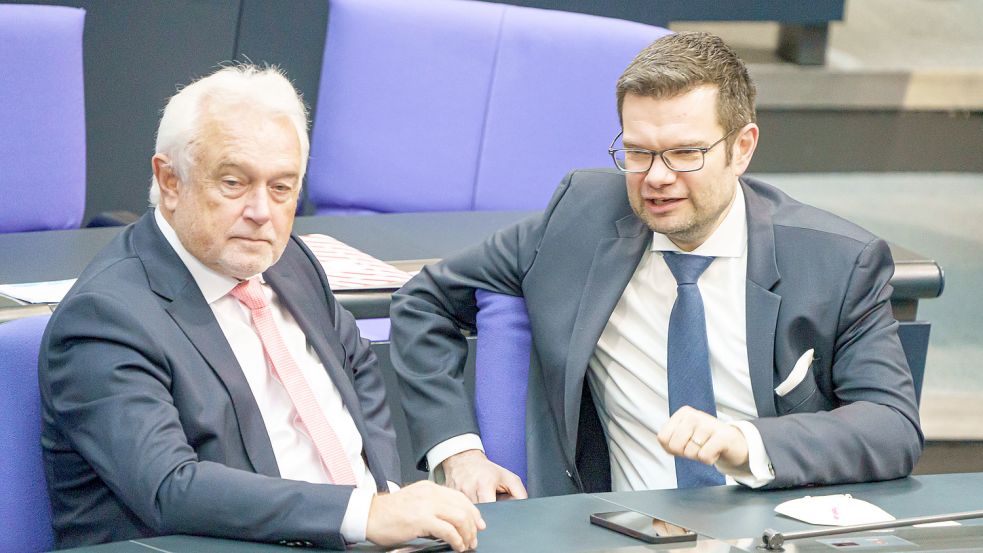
[(772, 540)]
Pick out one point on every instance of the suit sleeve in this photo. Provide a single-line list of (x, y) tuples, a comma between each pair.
[(108, 386), (873, 432), (429, 349)]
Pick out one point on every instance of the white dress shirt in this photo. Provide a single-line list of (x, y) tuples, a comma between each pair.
[(296, 456), (627, 371)]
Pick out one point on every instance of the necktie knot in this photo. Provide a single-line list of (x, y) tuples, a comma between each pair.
[(250, 293), (686, 269)]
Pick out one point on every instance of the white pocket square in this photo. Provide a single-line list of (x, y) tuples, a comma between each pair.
[(799, 372)]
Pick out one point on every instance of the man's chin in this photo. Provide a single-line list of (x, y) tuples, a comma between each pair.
[(243, 268), (662, 225)]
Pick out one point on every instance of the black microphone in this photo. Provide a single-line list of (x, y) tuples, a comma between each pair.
[(772, 540)]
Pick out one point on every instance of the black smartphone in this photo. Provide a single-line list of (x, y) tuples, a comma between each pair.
[(642, 527), (421, 546)]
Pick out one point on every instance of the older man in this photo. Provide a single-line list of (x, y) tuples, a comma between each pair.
[(201, 378), (690, 325)]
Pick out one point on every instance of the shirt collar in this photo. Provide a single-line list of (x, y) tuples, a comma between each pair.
[(213, 285), (729, 240)]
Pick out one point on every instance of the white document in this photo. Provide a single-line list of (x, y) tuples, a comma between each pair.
[(348, 268), (37, 292), (833, 510)]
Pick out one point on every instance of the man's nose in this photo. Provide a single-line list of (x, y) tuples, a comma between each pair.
[(659, 174), (257, 206)]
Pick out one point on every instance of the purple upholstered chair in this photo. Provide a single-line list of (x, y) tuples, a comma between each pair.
[(25, 511), (42, 118), (502, 377), (442, 105)]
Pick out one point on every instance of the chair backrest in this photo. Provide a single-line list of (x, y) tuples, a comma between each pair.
[(914, 341), (443, 105), (502, 377), (25, 511), (42, 118)]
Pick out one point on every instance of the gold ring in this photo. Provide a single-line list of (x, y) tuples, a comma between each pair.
[(697, 442)]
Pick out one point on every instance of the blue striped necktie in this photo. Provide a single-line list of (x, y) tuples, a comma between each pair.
[(690, 382)]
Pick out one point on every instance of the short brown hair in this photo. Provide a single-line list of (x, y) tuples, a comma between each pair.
[(676, 64)]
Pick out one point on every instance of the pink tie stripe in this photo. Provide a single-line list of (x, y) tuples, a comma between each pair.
[(352, 269), (285, 369)]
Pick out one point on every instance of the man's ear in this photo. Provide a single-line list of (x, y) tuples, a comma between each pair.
[(743, 149), (167, 181)]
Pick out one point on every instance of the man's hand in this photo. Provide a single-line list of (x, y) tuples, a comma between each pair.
[(696, 435), (481, 480), (421, 510)]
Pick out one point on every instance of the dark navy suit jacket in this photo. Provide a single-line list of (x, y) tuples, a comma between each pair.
[(814, 281), (149, 424)]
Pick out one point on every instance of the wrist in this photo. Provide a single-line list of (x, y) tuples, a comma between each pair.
[(463, 457)]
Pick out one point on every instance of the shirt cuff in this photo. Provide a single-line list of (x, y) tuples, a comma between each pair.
[(356, 520), (393, 487), (448, 448), (761, 471)]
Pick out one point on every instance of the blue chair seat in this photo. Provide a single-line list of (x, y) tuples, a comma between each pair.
[(25, 511)]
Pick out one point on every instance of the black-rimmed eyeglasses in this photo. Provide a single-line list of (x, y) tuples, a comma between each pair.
[(680, 160)]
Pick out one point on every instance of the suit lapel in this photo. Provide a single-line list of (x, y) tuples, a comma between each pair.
[(762, 303), (171, 280), (614, 263), (312, 316), (306, 303)]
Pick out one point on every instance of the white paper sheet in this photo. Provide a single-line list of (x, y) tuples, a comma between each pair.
[(833, 510), (37, 292)]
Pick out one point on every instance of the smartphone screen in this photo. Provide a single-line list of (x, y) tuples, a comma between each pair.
[(426, 546), (642, 527)]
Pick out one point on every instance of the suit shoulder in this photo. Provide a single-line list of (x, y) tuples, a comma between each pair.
[(597, 178), (598, 190), (117, 269)]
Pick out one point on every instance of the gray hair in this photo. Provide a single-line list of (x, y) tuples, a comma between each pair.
[(266, 88)]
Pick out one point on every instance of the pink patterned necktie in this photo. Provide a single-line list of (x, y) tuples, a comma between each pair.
[(285, 369)]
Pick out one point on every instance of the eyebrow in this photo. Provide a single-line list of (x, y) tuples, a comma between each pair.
[(686, 144), (226, 165)]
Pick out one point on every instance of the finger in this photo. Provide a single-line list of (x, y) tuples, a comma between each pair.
[(479, 521), (702, 432), (513, 484), (677, 430), (668, 429), (469, 489), (460, 518), (710, 452), (444, 530), (486, 493), (682, 434), (698, 442), (691, 450)]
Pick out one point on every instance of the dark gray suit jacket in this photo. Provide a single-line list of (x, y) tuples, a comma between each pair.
[(813, 281), (149, 424)]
